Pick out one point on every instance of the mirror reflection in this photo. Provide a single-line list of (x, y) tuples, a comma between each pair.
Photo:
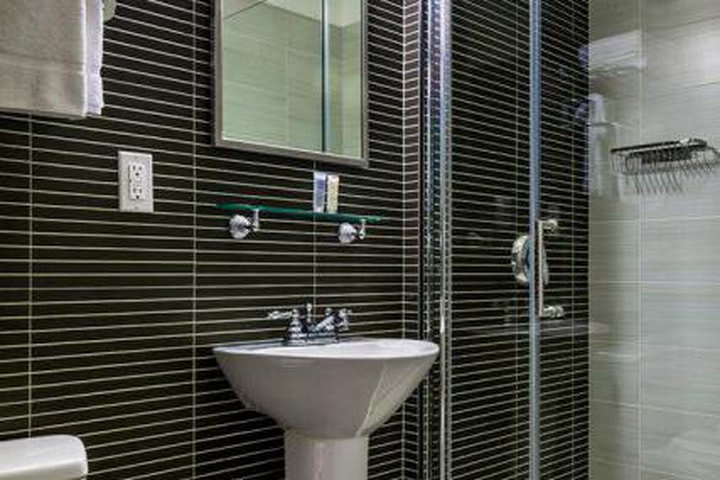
[(292, 77)]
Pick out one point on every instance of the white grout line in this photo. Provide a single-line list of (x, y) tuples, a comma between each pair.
[(31, 271), (195, 252)]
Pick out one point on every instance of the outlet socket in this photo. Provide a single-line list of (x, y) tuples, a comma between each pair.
[(135, 180)]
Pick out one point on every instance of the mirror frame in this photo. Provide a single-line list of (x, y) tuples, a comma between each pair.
[(314, 155)]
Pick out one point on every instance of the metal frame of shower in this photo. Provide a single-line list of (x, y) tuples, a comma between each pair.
[(437, 235), (437, 232), (534, 273)]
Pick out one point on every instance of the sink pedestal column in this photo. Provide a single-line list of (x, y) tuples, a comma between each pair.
[(308, 458)]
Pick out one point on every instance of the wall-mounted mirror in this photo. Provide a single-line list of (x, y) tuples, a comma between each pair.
[(290, 78)]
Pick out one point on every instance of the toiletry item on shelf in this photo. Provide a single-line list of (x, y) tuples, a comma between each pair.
[(319, 192), (333, 192)]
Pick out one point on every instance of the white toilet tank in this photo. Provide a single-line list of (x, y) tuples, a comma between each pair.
[(55, 457)]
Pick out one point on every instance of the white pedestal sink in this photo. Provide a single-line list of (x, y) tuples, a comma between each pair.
[(329, 398)]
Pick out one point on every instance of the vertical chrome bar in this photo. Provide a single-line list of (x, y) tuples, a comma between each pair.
[(445, 112), (539, 268), (535, 255), (543, 274), (437, 293), (429, 235), (325, 76)]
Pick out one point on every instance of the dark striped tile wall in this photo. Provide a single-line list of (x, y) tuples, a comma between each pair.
[(490, 187), (489, 380), (564, 346), (107, 319)]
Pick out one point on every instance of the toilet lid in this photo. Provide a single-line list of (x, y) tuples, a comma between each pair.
[(55, 457)]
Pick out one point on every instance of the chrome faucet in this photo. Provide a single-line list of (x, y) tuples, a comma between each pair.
[(302, 328)]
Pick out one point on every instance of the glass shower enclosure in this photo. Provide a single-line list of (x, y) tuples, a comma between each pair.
[(570, 268), (506, 242)]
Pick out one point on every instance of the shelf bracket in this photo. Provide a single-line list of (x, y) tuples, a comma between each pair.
[(242, 226), (348, 233)]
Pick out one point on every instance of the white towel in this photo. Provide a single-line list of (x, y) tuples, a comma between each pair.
[(93, 57), (616, 53), (44, 57)]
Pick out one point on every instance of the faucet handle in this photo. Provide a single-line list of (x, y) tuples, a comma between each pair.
[(306, 316), (344, 315), (282, 315)]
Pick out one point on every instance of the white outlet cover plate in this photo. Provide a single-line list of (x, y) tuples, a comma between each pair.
[(135, 191)]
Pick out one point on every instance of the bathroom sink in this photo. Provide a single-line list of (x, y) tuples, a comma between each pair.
[(336, 390), (328, 397)]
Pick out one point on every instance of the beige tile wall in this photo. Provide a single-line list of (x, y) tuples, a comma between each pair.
[(655, 258)]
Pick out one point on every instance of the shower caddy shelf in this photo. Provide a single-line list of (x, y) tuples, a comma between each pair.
[(659, 165), (352, 227)]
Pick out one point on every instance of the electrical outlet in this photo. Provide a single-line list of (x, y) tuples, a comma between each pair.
[(138, 180), (135, 179)]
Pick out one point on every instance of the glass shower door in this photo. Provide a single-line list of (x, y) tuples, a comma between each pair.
[(505, 170), (558, 238), (476, 205)]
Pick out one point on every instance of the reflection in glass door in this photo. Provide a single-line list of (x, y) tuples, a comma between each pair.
[(477, 192), (559, 215)]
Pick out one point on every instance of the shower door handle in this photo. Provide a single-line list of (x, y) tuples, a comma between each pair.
[(520, 261), (549, 226)]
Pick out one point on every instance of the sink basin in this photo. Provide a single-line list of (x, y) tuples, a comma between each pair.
[(329, 398)]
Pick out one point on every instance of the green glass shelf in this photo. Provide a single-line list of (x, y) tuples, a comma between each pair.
[(298, 213)]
